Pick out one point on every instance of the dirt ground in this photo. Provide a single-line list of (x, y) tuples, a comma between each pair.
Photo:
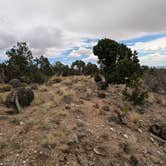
[(70, 124)]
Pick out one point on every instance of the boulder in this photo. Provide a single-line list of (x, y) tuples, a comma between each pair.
[(15, 83), (159, 130)]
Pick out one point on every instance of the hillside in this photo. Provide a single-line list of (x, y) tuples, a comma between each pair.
[(71, 122)]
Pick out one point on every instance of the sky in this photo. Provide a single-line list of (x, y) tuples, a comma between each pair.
[(67, 30)]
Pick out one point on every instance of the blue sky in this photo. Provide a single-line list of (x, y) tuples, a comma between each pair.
[(66, 30), (148, 47)]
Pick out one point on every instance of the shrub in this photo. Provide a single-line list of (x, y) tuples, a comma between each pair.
[(136, 94), (102, 85), (5, 87), (155, 80), (20, 97), (38, 77), (97, 78)]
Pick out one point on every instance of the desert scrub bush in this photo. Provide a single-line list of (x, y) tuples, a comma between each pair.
[(102, 85), (155, 80), (20, 97), (97, 78), (134, 91), (48, 142), (3, 144), (16, 120), (5, 87)]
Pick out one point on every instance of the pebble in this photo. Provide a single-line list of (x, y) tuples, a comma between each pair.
[(17, 155), (139, 130), (126, 136), (152, 139), (111, 129)]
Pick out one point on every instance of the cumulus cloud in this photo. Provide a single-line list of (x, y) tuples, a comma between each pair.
[(155, 59), (51, 26), (154, 45)]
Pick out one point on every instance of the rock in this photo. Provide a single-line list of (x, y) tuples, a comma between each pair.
[(20, 97), (102, 85), (133, 161), (55, 80), (96, 106), (100, 150), (15, 83), (159, 130), (67, 99), (34, 86), (106, 108), (65, 148), (101, 95), (67, 107)]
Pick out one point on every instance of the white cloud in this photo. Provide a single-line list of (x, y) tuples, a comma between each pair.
[(52, 26), (80, 51), (153, 60), (154, 45)]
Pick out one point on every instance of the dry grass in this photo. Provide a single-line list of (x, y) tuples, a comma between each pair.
[(134, 117)]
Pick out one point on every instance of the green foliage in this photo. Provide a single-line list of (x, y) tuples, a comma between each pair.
[(20, 60), (38, 77), (22, 65), (116, 60), (79, 67), (91, 69), (44, 65), (97, 78), (136, 94)]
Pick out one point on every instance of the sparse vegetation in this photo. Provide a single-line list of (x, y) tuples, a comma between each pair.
[(76, 119)]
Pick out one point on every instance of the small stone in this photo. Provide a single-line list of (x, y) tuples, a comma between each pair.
[(96, 106), (106, 108), (101, 95), (65, 148), (17, 155), (100, 151), (152, 139), (139, 130), (111, 129), (126, 136)]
